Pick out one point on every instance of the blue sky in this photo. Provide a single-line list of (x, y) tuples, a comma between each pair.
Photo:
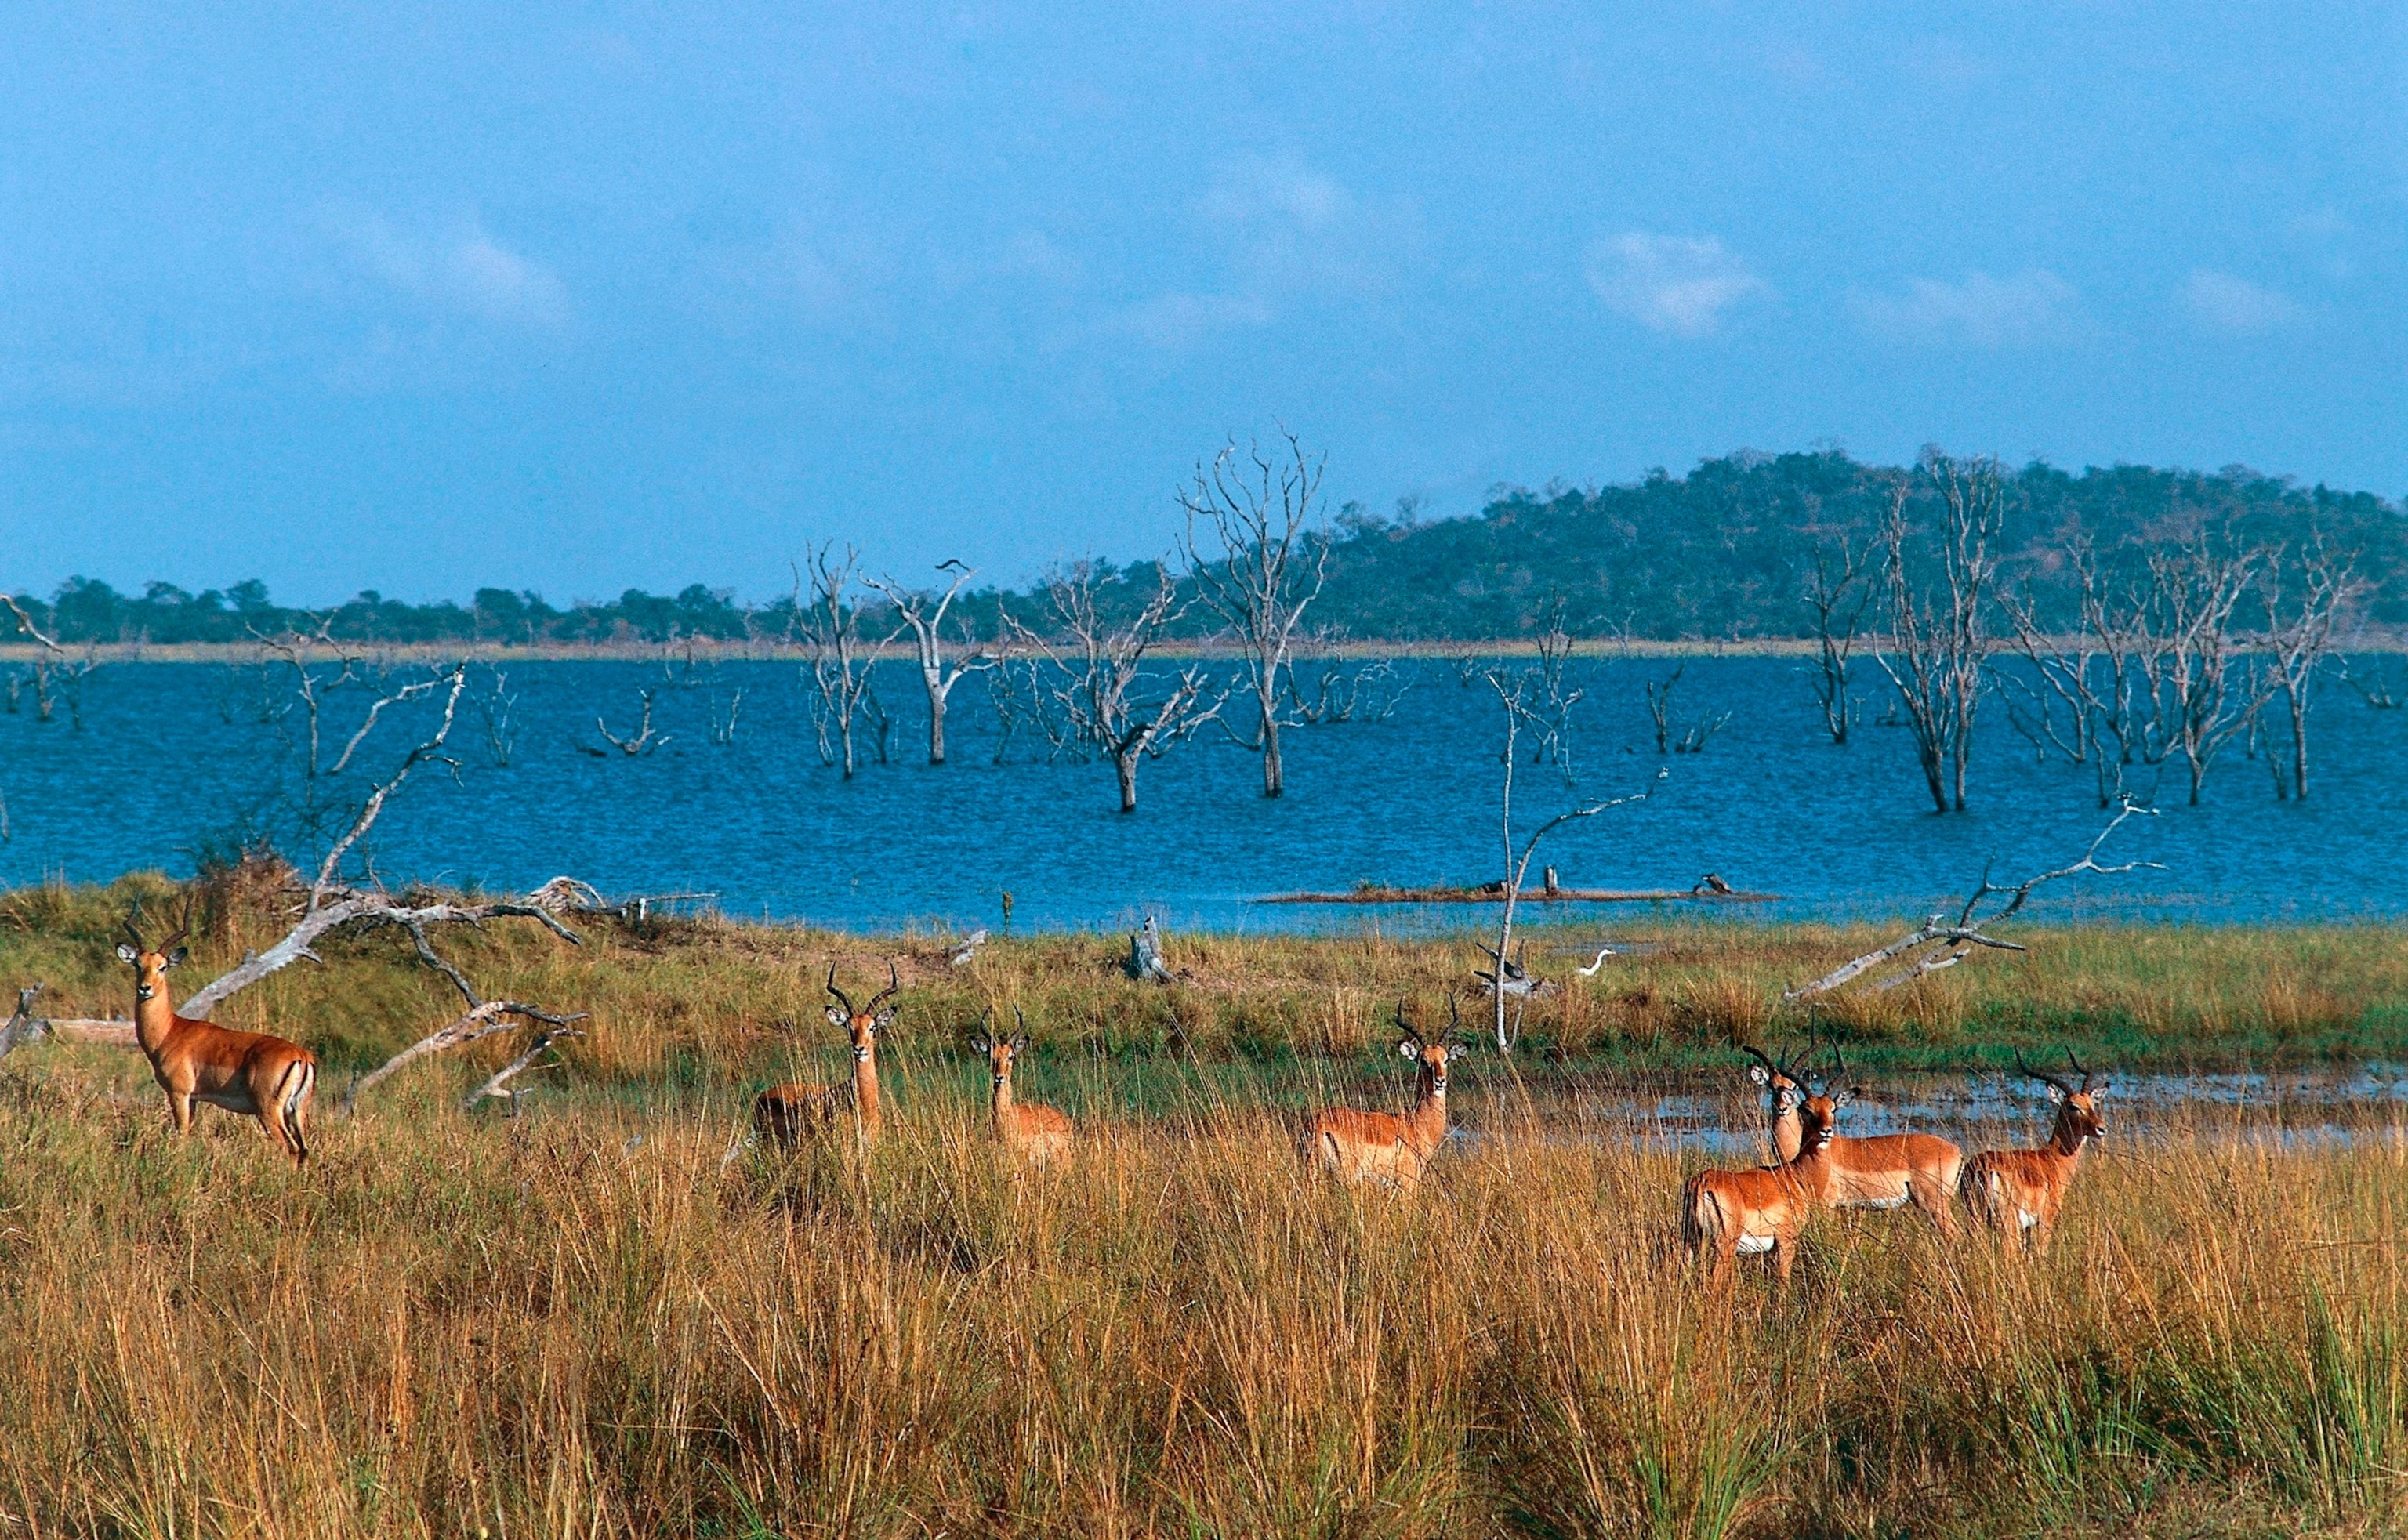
[(576, 297)]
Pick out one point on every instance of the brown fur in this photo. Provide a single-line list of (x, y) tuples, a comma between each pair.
[(1035, 1133), (1771, 1204), (1383, 1146), (247, 1072), (785, 1115), (2002, 1186)]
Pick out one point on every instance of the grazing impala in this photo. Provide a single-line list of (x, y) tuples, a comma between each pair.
[(2019, 1191), (1381, 1147), (785, 1115), (1892, 1170), (1747, 1213), (247, 1072), (1035, 1133)]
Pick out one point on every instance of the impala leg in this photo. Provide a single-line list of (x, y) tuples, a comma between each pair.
[(1784, 1254), (180, 1110), (1933, 1200)]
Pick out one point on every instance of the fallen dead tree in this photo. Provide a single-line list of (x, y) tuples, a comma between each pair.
[(1957, 937), (1494, 892), (336, 899)]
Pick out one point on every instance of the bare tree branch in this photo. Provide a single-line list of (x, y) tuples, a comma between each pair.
[(1969, 927), (924, 614), (1272, 560)]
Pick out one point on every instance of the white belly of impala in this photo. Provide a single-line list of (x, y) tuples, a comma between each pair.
[(2026, 1221), (1897, 1201), (1751, 1244)]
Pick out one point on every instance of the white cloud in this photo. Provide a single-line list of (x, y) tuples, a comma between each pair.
[(2236, 307), (1257, 192), (1675, 284), (1982, 310), (1177, 321), (463, 270)]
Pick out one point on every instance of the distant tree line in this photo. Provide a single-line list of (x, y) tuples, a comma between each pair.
[(1722, 553)]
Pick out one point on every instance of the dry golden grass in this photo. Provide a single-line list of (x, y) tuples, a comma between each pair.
[(589, 1320)]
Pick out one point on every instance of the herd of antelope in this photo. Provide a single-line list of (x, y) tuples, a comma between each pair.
[(1724, 1214)]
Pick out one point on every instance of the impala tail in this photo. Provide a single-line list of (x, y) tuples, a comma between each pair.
[(293, 1098), (1702, 1213)]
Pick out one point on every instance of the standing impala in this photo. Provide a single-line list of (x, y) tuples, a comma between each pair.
[(2019, 1191), (1748, 1213), (1381, 1147), (247, 1072), (1035, 1133), (785, 1115), (1784, 1080), (1889, 1170)]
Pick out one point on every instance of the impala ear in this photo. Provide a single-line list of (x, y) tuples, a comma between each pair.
[(176, 958), (1457, 1051), (836, 1017), (126, 953), (1844, 1095), (885, 1019), (979, 1045), (1409, 1047), (1756, 1074), (1020, 1043), (2055, 1094)]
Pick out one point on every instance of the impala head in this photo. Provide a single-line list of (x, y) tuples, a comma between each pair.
[(2077, 1108), (150, 964), (1431, 1059), (863, 1023), (1819, 1104), (1000, 1053), (1783, 1078)]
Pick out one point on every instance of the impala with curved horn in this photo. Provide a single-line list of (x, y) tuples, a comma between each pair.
[(785, 1115), (1785, 1081), (1383, 1146), (1734, 1213), (1035, 1133), (247, 1072), (1892, 1170), (2019, 1191)]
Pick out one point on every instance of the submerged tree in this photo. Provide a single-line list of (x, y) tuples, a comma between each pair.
[(2300, 620), (1099, 675), (1837, 594), (829, 626), (1937, 584), (923, 612), (1268, 560)]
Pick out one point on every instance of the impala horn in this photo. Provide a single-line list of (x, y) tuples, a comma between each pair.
[(132, 923), (842, 998), (894, 982), (184, 928), (1773, 1071), (2079, 1068), (2041, 1075)]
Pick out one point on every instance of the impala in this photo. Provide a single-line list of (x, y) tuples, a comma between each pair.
[(246, 1072), (1892, 1170), (1788, 1090), (2019, 1191), (1035, 1133), (1381, 1147), (785, 1114), (1747, 1213)]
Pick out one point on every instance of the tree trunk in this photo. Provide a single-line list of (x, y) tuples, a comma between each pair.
[(2299, 745), (1935, 776), (936, 725), (1125, 765), (1274, 776)]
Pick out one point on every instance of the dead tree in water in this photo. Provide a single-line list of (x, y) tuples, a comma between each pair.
[(923, 613), (2198, 672), (643, 740), (829, 625), (1269, 563), (1837, 596), (1938, 611), (1671, 738), (1097, 675), (53, 658), (2299, 636)]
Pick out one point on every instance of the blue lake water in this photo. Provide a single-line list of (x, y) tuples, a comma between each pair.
[(172, 759)]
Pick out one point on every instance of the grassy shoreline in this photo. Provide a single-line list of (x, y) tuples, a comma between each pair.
[(605, 1316)]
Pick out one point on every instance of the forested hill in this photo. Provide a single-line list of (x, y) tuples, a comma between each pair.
[(1716, 554), (1720, 552)]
